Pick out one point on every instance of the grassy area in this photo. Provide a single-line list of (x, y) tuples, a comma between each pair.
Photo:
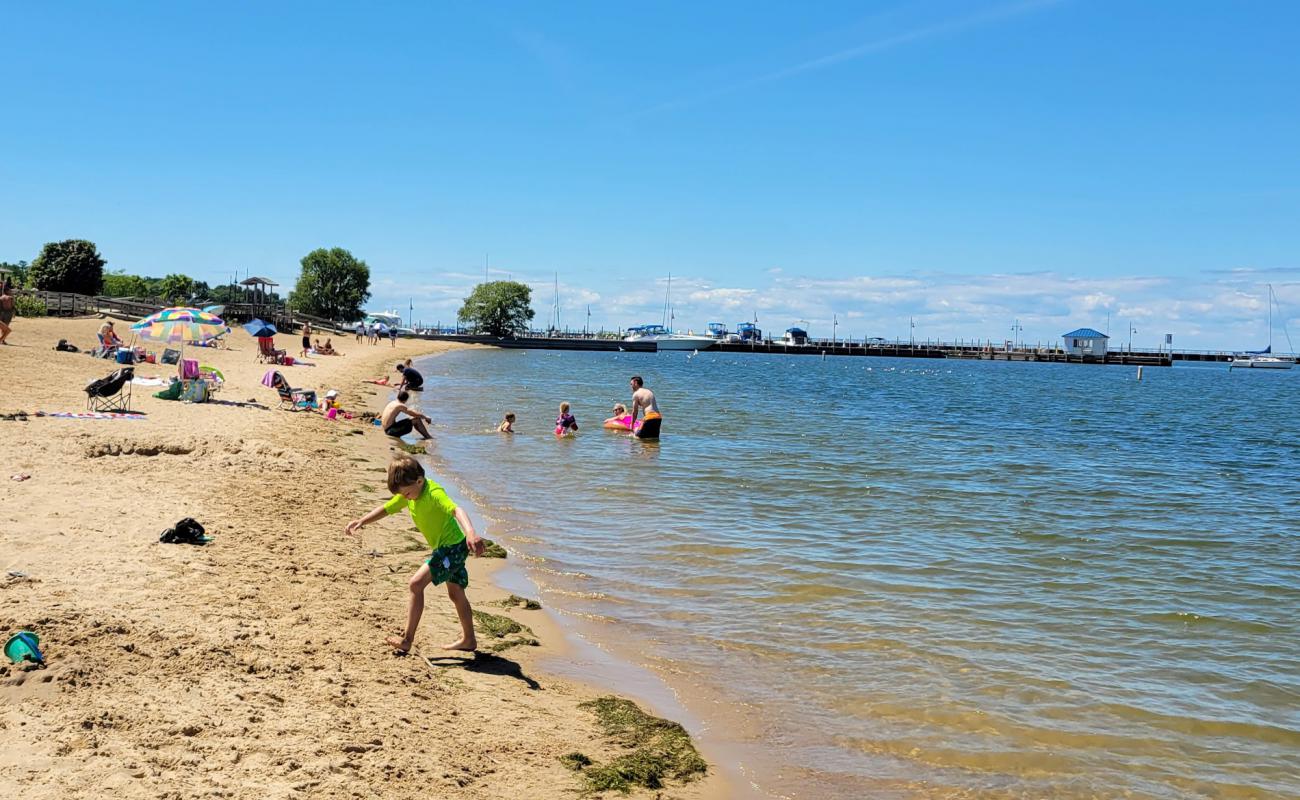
[(658, 750)]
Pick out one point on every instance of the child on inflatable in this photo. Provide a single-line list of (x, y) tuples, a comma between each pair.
[(565, 424), (621, 421)]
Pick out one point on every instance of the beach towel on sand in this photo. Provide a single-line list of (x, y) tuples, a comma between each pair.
[(88, 415)]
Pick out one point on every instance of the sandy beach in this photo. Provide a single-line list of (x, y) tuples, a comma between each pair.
[(253, 666)]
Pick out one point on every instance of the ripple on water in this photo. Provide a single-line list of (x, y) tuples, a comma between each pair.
[(975, 580)]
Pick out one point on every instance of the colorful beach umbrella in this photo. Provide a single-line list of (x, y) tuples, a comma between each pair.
[(180, 325)]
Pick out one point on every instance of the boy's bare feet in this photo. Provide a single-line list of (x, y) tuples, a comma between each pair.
[(400, 646), (467, 645)]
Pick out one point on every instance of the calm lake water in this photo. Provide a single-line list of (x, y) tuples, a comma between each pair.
[(907, 578)]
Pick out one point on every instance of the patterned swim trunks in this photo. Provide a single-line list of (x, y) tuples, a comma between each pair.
[(447, 564)]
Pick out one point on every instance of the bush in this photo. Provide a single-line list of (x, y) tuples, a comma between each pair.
[(73, 265), (27, 306)]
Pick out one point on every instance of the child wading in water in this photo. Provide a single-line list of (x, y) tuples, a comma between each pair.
[(507, 425), (565, 424), (448, 531)]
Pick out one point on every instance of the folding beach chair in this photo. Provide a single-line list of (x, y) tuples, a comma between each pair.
[(292, 399), (213, 377), (111, 393), (266, 352)]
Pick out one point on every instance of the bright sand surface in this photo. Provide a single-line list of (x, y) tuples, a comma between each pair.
[(254, 666)]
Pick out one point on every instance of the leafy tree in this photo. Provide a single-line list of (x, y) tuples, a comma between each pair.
[(73, 265), (499, 308), (176, 289), (334, 284), (225, 294), (119, 284), (18, 272)]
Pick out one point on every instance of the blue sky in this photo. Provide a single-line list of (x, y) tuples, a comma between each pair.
[(958, 162)]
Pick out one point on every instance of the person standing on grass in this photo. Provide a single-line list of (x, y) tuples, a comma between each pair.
[(8, 305), (448, 530)]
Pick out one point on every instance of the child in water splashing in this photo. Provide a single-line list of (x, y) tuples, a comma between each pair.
[(565, 424)]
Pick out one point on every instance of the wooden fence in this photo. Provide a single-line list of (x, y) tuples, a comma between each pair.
[(70, 304)]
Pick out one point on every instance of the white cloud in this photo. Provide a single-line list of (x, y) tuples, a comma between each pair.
[(1213, 310)]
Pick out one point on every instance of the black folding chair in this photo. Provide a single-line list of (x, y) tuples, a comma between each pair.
[(111, 393)]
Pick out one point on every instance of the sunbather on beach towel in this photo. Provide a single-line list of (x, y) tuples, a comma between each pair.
[(448, 530)]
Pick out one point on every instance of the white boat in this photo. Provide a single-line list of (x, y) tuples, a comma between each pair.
[(665, 339), (1264, 359), (1260, 361), (390, 319)]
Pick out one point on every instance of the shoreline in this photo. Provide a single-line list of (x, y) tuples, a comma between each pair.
[(244, 666)]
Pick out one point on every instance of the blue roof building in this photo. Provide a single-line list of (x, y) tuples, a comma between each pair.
[(1085, 342)]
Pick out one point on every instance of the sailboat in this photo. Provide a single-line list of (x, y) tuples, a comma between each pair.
[(1264, 359)]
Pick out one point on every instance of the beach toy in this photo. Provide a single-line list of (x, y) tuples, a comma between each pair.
[(24, 646)]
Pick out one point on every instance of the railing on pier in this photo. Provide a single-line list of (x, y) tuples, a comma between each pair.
[(71, 304)]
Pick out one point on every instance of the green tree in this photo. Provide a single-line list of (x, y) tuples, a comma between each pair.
[(119, 284), (17, 272), (499, 308), (226, 294), (73, 265), (333, 284), (176, 289)]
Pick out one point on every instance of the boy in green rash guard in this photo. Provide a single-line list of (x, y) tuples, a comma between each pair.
[(448, 531)]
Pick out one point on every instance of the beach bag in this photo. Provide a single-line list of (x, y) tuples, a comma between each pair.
[(187, 531), (195, 392), (172, 392), (170, 356)]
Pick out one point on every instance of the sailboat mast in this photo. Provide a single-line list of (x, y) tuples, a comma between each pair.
[(667, 292), (1270, 318)]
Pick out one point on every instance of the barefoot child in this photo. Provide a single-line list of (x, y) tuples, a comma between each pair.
[(448, 531), (507, 425)]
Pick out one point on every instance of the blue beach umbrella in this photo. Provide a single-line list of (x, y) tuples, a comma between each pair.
[(259, 329)]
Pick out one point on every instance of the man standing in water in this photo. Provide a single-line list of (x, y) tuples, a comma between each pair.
[(644, 400)]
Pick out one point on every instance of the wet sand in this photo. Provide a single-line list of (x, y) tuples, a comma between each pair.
[(253, 666)]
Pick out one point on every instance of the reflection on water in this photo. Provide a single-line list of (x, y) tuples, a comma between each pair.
[(921, 578)]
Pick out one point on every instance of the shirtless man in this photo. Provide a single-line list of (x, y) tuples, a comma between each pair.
[(400, 427), (644, 400)]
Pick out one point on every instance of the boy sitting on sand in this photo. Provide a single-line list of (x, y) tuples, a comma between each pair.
[(448, 531)]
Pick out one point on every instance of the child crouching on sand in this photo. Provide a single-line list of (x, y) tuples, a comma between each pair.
[(447, 529)]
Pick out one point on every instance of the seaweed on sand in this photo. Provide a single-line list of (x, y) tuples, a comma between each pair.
[(413, 449), (660, 749), (493, 550), (520, 602), (511, 633)]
